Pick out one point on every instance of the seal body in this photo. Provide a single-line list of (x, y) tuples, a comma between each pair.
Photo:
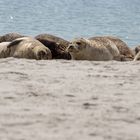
[(56, 44), (4, 51), (98, 49), (125, 52), (10, 37), (29, 48)]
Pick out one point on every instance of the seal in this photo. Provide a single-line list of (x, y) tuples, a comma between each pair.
[(125, 52), (10, 37), (56, 44), (4, 51), (30, 48), (98, 49)]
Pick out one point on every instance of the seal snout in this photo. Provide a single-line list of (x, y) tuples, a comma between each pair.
[(72, 48)]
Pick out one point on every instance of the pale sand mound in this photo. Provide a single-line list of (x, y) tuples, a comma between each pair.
[(69, 100)]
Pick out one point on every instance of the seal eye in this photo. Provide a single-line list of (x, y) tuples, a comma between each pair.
[(78, 43)]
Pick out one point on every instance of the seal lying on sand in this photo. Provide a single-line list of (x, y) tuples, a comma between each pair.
[(30, 48), (57, 45), (98, 49), (125, 52), (10, 37), (4, 52)]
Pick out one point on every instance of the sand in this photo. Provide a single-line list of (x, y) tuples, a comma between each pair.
[(69, 100)]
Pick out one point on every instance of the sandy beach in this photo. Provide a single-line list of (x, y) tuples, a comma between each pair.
[(69, 100)]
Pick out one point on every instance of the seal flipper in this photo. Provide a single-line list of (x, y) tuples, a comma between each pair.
[(137, 57), (15, 42)]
